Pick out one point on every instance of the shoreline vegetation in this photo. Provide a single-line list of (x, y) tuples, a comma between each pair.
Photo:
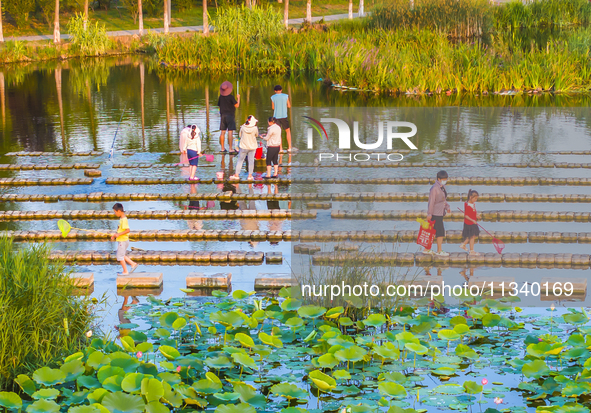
[(434, 47)]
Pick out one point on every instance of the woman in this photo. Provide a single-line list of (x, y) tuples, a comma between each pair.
[(273, 138), (437, 208), (192, 148), (248, 146)]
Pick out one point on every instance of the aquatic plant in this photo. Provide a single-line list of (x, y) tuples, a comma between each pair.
[(90, 39), (249, 24), (41, 321), (241, 353)]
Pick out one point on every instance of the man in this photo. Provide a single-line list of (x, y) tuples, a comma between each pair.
[(437, 208), (280, 103), (228, 105)]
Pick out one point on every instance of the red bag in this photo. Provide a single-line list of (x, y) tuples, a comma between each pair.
[(426, 236), (258, 154)]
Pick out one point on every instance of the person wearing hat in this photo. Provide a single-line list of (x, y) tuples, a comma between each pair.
[(228, 105), (248, 146)]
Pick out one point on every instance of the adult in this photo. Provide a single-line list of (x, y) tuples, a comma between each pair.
[(437, 209), (273, 138), (228, 105), (248, 146), (192, 149), (280, 103)]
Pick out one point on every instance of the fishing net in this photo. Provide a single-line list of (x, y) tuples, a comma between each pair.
[(64, 227)]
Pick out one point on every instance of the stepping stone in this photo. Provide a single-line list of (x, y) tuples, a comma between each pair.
[(579, 289), (82, 279), (92, 173), (484, 284), (139, 292), (273, 281), (140, 280), (198, 279), (273, 258)]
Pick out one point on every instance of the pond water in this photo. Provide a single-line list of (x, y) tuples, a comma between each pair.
[(77, 105)]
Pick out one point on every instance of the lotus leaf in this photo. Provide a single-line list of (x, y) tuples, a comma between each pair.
[(416, 348), (354, 353), (240, 295), (113, 383), (84, 409), (375, 320), (245, 340), (448, 335), (341, 375), (289, 391), (123, 403), (311, 311), (576, 389), (152, 389), (230, 319), (322, 381), (97, 395), (128, 364), (219, 363), (26, 384), (536, 369), (449, 389), (471, 387), (391, 389), (575, 318), (327, 361), (345, 321), (227, 397), (270, 340), (73, 369), (167, 319), (132, 382), (128, 344), (11, 400), (238, 408), (244, 360), (170, 353), (491, 320), (334, 312), (249, 395), (291, 304), (444, 371), (49, 377), (179, 323), (43, 406)]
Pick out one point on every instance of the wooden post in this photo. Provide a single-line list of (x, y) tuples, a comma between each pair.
[(206, 109), (140, 11), (205, 18), (56, 23), (169, 12), (3, 97), (286, 13), (361, 9), (350, 9), (58, 86), (309, 11)]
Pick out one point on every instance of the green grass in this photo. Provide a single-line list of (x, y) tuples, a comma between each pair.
[(118, 18), (41, 318)]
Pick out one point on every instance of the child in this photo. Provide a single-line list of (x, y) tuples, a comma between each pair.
[(248, 146), (192, 148), (471, 230), (273, 138), (122, 237)]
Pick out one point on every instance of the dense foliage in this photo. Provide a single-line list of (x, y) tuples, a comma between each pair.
[(243, 354), (41, 320)]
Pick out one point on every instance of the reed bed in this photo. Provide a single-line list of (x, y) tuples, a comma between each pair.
[(408, 61), (41, 319)]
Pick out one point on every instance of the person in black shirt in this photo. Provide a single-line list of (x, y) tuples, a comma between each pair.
[(228, 105)]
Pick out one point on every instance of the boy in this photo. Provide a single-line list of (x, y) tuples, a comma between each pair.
[(122, 237), (228, 106), (280, 103)]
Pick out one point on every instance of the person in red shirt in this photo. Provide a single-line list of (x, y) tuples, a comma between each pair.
[(471, 218)]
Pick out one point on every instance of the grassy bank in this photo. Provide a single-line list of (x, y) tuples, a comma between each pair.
[(41, 318)]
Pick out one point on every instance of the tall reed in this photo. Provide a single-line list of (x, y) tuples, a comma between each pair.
[(41, 320)]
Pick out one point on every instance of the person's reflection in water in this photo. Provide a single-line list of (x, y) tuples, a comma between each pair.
[(249, 224), (195, 205), (230, 168), (121, 313), (274, 224), (230, 205)]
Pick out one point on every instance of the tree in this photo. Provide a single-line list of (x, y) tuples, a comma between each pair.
[(286, 13), (85, 14), (309, 11), (350, 9), (166, 16), (205, 18), (56, 23), (140, 12), (1, 35), (361, 11)]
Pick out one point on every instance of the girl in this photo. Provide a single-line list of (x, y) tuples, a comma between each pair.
[(471, 230), (248, 146), (273, 138), (192, 148)]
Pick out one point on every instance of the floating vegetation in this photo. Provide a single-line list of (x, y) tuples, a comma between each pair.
[(241, 353)]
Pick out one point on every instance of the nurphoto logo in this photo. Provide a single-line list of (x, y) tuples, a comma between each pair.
[(391, 132)]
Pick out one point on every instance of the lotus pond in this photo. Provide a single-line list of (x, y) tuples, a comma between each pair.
[(243, 353)]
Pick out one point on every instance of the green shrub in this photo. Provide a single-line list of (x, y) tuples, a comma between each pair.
[(132, 8), (543, 13), (183, 5), (249, 24), (91, 41), (20, 10), (153, 8), (41, 318)]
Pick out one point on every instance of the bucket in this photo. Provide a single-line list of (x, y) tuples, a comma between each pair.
[(219, 175), (258, 154)]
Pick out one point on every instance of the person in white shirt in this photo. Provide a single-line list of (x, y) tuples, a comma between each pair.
[(248, 146), (273, 138), (192, 149), (185, 134)]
